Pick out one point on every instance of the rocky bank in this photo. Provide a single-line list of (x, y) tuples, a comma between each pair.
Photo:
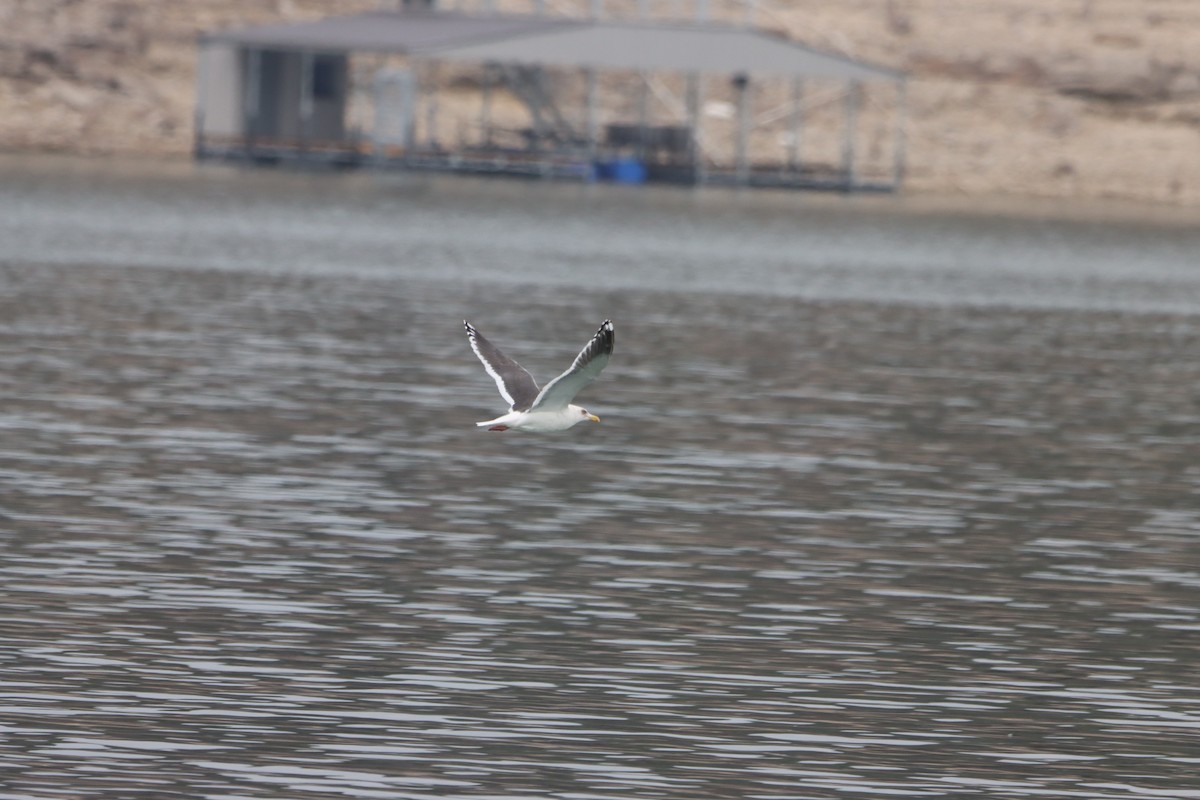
[(1074, 99)]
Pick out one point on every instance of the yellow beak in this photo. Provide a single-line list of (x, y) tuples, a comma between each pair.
[(593, 418)]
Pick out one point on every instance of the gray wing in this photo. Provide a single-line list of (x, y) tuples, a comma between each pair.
[(559, 392), (515, 384)]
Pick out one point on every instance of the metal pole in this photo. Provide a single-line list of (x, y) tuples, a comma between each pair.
[(250, 108), (643, 114), (901, 142), (533, 80), (201, 97), (853, 89), (379, 106), (416, 106), (741, 83), (409, 88), (701, 10), (485, 106), (592, 123), (797, 124), (693, 123), (306, 97), (701, 154), (431, 106), (596, 8)]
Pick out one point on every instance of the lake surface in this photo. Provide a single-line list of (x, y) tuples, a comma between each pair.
[(886, 501)]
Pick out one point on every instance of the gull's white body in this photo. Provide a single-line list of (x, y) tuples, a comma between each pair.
[(541, 421), (541, 410)]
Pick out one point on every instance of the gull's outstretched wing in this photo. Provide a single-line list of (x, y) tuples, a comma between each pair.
[(559, 392), (515, 384)]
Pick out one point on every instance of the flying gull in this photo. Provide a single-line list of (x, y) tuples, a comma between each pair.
[(549, 409)]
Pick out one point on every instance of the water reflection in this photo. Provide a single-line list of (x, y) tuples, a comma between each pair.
[(255, 548)]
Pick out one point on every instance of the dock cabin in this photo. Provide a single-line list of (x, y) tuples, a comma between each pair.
[(536, 95)]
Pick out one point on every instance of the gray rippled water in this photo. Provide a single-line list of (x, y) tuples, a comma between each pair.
[(822, 545)]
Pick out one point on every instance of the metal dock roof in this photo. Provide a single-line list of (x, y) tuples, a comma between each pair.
[(417, 31), (585, 43), (682, 47)]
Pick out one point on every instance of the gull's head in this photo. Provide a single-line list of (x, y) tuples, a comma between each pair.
[(581, 414)]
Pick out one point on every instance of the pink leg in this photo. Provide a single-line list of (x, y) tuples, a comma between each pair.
[(498, 428)]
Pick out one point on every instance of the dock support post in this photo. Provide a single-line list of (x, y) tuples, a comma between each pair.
[(485, 106), (741, 83), (643, 114), (431, 104), (306, 98), (899, 162), (201, 98), (695, 157), (797, 139), (853, 97), (251, 108), (592, 123)]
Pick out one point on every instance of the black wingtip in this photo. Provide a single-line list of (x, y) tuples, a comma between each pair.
[(608, 333)]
